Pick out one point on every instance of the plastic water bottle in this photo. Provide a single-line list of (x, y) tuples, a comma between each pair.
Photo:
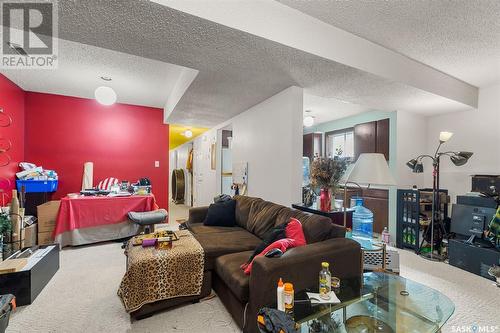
[(362, 220)]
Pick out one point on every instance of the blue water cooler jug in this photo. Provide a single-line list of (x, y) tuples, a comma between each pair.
[(362, 220)]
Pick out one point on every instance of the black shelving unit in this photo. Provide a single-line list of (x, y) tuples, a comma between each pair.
[(413, 205)]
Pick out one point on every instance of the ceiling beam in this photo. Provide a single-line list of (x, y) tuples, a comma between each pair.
[(280, 23)]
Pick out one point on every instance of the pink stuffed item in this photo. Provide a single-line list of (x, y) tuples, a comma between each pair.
[(282, 244), (294, 231), (295, 238)]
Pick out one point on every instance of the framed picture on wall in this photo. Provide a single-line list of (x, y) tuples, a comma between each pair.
[(212, 156)]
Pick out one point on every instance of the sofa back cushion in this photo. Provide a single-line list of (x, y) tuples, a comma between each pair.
[(259, 216), (316, 228), (242, 210), (262, 217), (221, 214)]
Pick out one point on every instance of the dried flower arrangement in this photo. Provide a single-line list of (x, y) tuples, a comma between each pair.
[(326, 172)]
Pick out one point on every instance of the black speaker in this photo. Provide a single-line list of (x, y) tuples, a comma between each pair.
[(485, 202), (472, 258)]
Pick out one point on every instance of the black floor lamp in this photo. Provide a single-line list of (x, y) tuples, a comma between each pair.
[(458, 158)]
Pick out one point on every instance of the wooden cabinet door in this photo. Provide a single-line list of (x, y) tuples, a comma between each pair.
[(383, 137), (308, 146), (365, 138), (317, 144), (377, 200)]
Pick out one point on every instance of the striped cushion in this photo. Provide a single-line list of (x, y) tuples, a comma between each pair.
[(107, 183)]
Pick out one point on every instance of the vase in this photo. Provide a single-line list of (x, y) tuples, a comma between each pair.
[(325, 200)]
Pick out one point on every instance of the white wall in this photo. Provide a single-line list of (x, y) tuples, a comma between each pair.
[(269, 137), (477, 131), (411, 142)]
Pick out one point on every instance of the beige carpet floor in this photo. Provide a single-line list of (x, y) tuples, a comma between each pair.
[(82, 298)]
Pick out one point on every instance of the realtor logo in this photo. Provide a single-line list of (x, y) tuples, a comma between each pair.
[(29, 34)]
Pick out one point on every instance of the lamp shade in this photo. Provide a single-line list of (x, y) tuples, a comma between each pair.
[(445, 136), (411, 164), (419, 168), (370, 169), (465, 154)]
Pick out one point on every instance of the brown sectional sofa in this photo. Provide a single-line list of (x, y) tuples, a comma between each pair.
[(226, 248)]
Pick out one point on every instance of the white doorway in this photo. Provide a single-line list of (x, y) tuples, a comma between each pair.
[(226, 161)]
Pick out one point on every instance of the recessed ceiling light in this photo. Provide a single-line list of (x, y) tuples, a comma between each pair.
[(105, 95)]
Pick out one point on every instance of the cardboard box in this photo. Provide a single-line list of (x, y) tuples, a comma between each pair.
[(30, 235), (12, 265), (45, 238), (47, 215)]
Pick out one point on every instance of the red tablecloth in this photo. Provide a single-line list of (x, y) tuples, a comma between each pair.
[(86, 212)]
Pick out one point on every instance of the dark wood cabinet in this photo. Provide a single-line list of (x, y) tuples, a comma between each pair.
[(372, 137), (376, 200), (312, 145), (365, 136), (383, 137)]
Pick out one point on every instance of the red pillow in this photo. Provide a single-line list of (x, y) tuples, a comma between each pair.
[(282, 244), (294, 238), (294, 231)]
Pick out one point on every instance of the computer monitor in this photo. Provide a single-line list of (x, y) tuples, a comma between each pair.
[(469, 220)]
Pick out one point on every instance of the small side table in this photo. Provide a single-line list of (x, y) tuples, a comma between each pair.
[(337, 216), (369, 245)]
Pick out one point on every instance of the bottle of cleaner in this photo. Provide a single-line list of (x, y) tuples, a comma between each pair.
[(279, 299), (325, 281), (288, 295), (386, 236)]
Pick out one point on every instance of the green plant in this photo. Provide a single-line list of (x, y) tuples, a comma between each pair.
[(5, 225)]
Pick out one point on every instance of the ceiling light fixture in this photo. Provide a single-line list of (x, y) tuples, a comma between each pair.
[(105, 95), (188, 133), (308, 121)]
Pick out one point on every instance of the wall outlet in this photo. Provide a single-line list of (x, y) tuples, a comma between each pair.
[(157, 164)]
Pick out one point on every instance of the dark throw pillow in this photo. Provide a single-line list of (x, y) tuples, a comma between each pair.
[(221, 214)]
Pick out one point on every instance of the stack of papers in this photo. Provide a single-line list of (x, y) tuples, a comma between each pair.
[(315, 299)]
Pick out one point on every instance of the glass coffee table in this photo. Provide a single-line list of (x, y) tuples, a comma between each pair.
[(385, 303)]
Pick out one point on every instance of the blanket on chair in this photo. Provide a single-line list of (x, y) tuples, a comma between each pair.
[(155, 274)]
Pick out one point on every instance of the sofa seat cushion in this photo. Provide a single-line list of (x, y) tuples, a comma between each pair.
[(219, 244), (198, 228), (228, 269)]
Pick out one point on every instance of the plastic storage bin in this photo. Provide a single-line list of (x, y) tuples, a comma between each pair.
[(37, 186)]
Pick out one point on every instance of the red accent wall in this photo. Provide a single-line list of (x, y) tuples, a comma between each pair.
[(12, 103), (123, 141)]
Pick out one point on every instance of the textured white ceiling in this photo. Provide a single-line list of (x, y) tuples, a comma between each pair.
[(328, 109), (460, 38), (136, 80), (237, 69)]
